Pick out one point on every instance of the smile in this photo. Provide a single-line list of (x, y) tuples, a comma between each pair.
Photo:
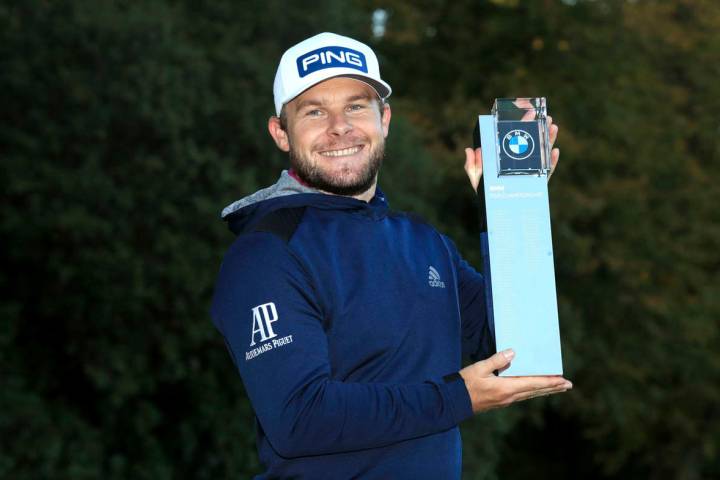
[(342, 152)]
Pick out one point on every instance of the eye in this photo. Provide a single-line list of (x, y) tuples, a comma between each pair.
[(355, 107), (313, 113)]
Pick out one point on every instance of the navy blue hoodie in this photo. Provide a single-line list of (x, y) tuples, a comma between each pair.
[(346, 322)]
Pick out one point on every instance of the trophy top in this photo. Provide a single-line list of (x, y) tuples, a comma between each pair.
[(522, 137), (522, 109)]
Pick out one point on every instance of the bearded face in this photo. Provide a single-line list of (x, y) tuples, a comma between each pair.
[(340, 175), (335, 136)]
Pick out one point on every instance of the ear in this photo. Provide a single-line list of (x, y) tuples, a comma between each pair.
[(385, 120), (278, 134)]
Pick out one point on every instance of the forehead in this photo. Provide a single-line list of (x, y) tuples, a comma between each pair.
[(339, 89)]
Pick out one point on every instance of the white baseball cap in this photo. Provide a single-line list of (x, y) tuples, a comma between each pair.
[(321, 57)]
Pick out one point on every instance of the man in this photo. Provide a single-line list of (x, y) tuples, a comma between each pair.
[(348, 321)]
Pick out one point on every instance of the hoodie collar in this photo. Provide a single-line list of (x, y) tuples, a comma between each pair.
[(287, 192), (286, 185)]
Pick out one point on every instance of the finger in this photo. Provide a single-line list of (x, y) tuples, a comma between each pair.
[(497, 362), (501, 370), (473, 166), (539, 393), (554, 158), (553, 133), (526, 104), (528, 385), (523, 103), (544, 391), (528, 115)]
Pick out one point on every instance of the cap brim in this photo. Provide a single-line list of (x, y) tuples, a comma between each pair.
[(382, 89)]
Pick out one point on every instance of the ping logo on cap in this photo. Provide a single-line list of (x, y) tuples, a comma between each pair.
[(330, 57)]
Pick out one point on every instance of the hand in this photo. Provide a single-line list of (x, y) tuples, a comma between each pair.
[(488, 391), (473, 158)]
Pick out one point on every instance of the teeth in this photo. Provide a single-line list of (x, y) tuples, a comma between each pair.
[(341, 153)]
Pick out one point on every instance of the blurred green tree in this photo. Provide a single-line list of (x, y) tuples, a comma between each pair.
[(128, 125), (634, 212)]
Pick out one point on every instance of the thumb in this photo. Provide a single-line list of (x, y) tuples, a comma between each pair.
[(473, 166), (498, 361)]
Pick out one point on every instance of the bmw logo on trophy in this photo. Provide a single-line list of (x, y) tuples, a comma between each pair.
[(515, 235), (518, 144)]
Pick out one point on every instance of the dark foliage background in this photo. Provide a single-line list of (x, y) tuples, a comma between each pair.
[(126, 126)]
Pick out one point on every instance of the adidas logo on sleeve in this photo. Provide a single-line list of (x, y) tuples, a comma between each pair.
[(434, 278)]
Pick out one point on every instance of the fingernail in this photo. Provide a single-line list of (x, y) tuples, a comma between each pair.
[(568, 385), (508, 354)]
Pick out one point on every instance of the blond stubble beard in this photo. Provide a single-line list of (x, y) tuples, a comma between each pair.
[(320, 180)]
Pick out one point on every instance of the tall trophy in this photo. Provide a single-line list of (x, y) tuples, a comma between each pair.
[(515, 236)]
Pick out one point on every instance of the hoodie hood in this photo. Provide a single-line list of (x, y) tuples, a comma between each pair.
[(286, 185), (287, 192)]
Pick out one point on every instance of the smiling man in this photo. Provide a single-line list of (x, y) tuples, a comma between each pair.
[(346, 320), (335, 136)]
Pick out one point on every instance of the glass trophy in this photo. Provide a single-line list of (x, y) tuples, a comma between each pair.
[(523, 138), (515, 235)]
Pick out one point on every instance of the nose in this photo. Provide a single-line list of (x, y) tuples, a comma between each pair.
[(339, 124)]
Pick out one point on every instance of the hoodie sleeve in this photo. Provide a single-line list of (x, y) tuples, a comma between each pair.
[(267, 310), (477, 342)]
